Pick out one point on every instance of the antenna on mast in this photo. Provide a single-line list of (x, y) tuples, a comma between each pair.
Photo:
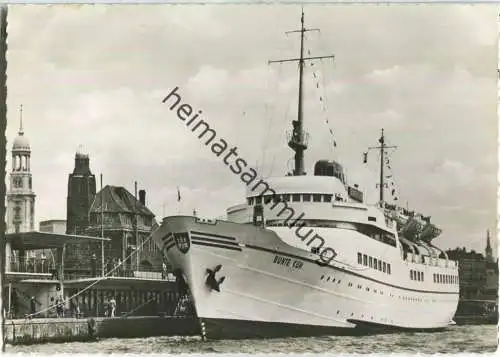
[(298, 138), (381, 185)]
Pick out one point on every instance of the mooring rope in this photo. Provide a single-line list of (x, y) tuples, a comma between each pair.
[(50, 307)]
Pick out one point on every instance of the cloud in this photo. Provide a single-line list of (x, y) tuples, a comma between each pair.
[(96, 75)]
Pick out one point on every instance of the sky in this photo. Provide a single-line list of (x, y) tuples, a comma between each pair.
[(95, 77)]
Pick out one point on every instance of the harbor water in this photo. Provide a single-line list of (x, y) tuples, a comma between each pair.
[(468, 339)]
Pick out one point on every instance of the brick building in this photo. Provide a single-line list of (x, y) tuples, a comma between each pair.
[(128, 222), (81, 193)]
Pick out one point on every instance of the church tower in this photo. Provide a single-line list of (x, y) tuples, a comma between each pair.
[(81, 193), (20, 197), (488, 251)]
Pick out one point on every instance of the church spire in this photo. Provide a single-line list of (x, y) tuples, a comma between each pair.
[(488, 250), (21, 131)]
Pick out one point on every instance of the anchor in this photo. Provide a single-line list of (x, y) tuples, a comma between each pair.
[(212, 281)]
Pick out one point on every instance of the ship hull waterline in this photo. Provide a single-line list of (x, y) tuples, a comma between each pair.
[(258, 299)]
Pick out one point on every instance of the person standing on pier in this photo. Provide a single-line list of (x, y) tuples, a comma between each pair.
[(93, 264), (60, 306), (112, 306), (32, 306)]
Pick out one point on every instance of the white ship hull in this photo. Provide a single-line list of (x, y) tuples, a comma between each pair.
[(274, 289)]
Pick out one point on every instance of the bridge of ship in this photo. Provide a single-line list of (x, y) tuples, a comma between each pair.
[(321, 193)]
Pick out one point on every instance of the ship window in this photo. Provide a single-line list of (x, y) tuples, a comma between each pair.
[(388, 268), (296, 197), (365, 259), (276, 198), (375, 263), (384, 267), (327, 198), (422, 276), (306, 197), (434, 277), (286, 197), (372, 219), (411, 274), (258, 200), (250, 201), (380, 265), (360, 258), (370, 262), (316, 197)]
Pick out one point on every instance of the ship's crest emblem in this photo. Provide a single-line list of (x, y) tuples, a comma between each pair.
[(182, 241)]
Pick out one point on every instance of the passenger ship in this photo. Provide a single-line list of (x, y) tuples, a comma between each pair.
[(304, 256)]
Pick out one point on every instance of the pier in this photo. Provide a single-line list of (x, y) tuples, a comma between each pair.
[(22, 331)]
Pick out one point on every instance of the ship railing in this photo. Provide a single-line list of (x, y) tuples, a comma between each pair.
[(30, 265), (119, 273)]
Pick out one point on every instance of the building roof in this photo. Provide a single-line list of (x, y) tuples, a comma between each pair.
[(21, 143), (45, 240), (118, 199)]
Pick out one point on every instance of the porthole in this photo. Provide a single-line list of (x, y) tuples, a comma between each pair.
[(322, 277), (339, 281), (328, 279), (333, 280)]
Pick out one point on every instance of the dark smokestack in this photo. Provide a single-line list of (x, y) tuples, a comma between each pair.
[(142, 197)]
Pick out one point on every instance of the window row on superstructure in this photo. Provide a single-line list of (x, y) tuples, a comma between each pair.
[(446, 279), (416, 275), (294, 197), (369, 230), (374, 263)]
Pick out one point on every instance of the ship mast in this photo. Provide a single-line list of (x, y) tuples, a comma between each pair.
[(298, 138), (382, 147)]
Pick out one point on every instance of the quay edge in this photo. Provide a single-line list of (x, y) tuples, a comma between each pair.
[(35, 331)]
